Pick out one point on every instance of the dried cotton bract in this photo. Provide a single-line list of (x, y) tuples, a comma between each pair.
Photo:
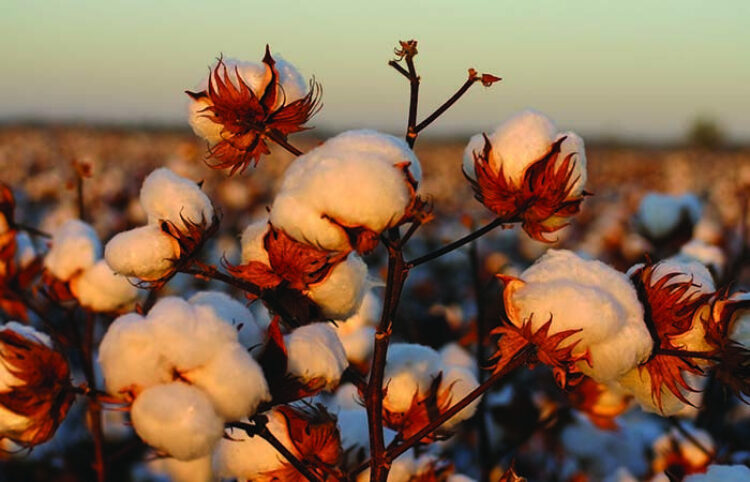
[(528, 171)]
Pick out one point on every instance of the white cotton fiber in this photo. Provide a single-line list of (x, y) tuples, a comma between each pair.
[(453, 355), (98, 288), (721, 473), (165, 196), (660, 214), (252, 243), (145, 252), (340, 293), (410, 370), (592, 297), (233, 381), (244, 457), (178, 419), (75, 247), (357, 332), (196, 470), (460, 382), (189, 335), (315, 352), (637, 382), (131, 357), (234, 313)]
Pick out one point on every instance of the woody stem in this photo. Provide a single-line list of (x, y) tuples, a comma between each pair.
[(411, 133), (86, 344), (397, 272), (281, 140), (462, 241), (446, 105)]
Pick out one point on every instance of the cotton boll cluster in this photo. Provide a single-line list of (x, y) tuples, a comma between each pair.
[(173, 205), (315, 354), (577, 294), (193, 350), (74, 257), (661, 215), (344, 193), (411, 377), (356, 332)]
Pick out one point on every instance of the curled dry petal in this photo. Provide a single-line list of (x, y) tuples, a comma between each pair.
[(43, 393), (248, 118), (546, 190)]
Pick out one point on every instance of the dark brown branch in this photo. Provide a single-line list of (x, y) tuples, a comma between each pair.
[(685, 354), (446, 105), (461, 242), (411, 133), (281, 140), (399, 69)]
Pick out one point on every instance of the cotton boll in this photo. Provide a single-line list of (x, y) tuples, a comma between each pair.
[(75, 247), (592, 297), (245, 457), (357, 332), (315, 352), (721, 473), (130, 356), (200, 120), (637, 382), (232, 312), (660, 214), (573, 145), (347, 397), (340, 293), (710, 256), (253, 248), (165, 196), (475, 145), (98, 288), (145, 252), (358, 344), (453, 355), (196, 470), (305, 222), (409, 371), (190, 335), (292, 85), (233, 381), (178, 419), (391, 149), (460, 383)]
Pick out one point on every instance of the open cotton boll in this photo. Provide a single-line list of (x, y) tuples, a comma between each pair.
[(356, 332), (721, 473), (165, 196), (200, 120), (340, 293), (573, 144), (706, 254), (315, 352), (130, 356), (245, 457), (410, 370), (233, 312), (189, 335), (145, 252), (253, 248), (460, 382), (233, 381), (453, 355), (660, 214), (391, 149), (305, 222), (178, 419), (637, 382), (98, 288), (75, 247), (592, 297)]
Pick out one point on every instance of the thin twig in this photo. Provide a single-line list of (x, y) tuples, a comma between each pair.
[(460, 242), (411, 133), (31, 230), (280, 140), (399, 69), (446, 105)]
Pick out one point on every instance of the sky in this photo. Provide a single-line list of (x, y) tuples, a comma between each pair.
[(616, 69)]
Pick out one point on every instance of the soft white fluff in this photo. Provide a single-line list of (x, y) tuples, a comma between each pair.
[(246, 457), (253, 248), (145, 252), (354, 179), (315, 352), (233, 312), (341, 293), (454, 355), (721, 473), (659, 214), (165, 196), (196, 470), (709, 255), (233, 381), (592, 297), (637, 382), (409, 372), (98, 288), (461, 382), (75, 247), (189, 335), (522, 139), (178, 419), (131, 357)]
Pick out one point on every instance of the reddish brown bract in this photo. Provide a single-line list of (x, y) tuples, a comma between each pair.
[(545, 191), (250, 119), (44, 393)]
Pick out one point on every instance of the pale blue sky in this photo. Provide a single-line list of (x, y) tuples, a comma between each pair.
[(626, 68)]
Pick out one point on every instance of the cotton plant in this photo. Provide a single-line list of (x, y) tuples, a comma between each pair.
[(301, 369)]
